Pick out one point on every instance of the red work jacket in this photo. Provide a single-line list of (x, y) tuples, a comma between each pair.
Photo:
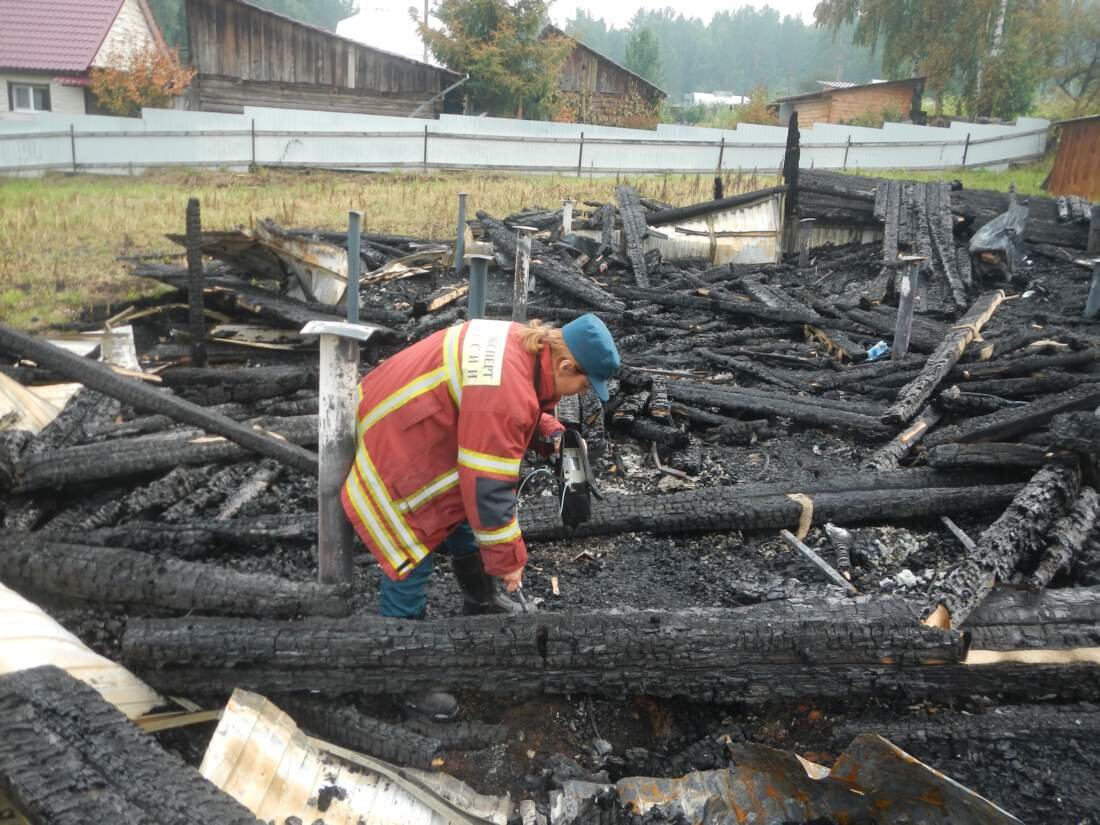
[(441, 428)]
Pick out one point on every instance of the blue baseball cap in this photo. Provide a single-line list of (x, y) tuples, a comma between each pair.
[(590, 342)]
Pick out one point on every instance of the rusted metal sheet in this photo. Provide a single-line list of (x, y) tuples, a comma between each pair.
[(872, 781), (1077, 165)]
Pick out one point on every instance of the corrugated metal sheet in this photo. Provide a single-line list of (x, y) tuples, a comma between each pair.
[(259, 757), (1077, 165), (747, 234)]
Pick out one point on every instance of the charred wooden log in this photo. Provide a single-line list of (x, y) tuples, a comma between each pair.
[(939, 363), (116, 576), (1025, 365), (563, 276), (746, 367), (682, 343), (1004, 424), (988, 454), (84, 413), (924, 337), (147, 454), (688, 459), (807, 411), (726, 508), (859, 373), (1026, 620), (889, 456), (347, 727), (200, 538), (1041, 383), (742, 309), (100, 377), (661, 434), (634, 231), (67, 756), (726, 430), (954, 400), (461, 735), (219, 487), (1069, 535), (1018, 533), (700, 654), (209, 386)]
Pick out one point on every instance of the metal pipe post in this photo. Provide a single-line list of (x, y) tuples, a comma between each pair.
[(523, 271), (566, 217), (906, 299), (460, 235), (580, 155), (805, 236), (195, 284), (355, 231), (479, 274)]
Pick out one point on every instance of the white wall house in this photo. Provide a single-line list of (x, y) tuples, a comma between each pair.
[(48, 47)]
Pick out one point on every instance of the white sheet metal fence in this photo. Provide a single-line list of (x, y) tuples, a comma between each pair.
[(32, 145)]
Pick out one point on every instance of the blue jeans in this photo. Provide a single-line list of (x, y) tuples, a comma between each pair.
[(408, 598)]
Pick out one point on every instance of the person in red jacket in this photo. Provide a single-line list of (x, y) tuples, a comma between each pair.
[(441, 429)]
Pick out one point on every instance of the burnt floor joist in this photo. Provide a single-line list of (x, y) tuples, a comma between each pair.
[(67, 757)]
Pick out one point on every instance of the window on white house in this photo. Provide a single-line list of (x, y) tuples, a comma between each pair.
[(24, 97)]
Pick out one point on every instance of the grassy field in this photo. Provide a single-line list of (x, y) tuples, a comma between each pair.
[(1028, 178), (60, 236)]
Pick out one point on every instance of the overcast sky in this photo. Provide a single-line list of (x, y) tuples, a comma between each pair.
[(618, 13)]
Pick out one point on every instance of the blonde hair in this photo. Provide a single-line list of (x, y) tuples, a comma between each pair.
[(535, 335)]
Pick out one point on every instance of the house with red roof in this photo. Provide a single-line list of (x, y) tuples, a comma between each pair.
[(48, 47)]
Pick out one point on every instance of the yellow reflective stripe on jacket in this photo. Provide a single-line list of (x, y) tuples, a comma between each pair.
[(508, 533), (396, 400), (435, 487), (451, 363), (488, 463), (361, 501), (378, 495)]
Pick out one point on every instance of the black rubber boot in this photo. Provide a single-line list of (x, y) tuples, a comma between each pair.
[(432, 704), (479, 589)]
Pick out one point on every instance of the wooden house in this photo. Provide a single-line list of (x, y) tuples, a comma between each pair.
[(248, 56), (839, 102), (49, 47), (593, 88)]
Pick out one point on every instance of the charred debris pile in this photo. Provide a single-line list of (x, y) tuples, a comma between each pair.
[(909, 394)]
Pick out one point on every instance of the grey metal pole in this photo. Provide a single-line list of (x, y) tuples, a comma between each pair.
[(479, 273), (460, 234), (72, 144), (523, 270), (355, 231), (906, 299), (805, 236), (580, 155)]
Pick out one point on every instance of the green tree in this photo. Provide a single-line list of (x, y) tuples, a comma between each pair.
[(1077, 65), (497, 42), (995, 53), (643, 55)]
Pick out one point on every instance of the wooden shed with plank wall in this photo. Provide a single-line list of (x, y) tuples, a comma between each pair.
[(593, 88), (248, 56), (838, 103), (1077, 163)]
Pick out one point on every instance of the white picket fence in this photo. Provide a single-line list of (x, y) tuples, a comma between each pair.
[(33, 145)]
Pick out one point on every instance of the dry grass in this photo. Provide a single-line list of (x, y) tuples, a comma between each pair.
[(60, 236)]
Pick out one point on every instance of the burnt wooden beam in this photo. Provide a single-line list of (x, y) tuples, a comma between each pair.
[(726, 508), (40, 564), (1038, 383), (915, 394), (1004, 424), (103, 379), (890, 455), (696, 654), (148, 454), (1069, 535), (746, 309), (67, 756), (1020, 531), (347, 727), (565, 277), (987, 454), (681, 213), (634, 231)]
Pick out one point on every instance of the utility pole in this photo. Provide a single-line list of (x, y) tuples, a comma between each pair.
[(426, 23)]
